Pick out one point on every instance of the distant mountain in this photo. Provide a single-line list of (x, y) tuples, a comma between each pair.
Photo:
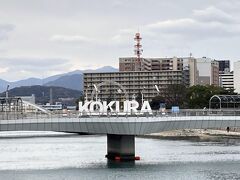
[(42, 93), (3, 85), (102, 69), (26, 82), (67, 80), (74, 81)]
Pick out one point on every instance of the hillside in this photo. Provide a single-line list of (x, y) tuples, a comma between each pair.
[(74, 81), (42, 93), (71, 80), (3, 85)]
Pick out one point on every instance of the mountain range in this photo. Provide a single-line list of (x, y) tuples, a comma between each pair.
[(42, 94), (71, 80)]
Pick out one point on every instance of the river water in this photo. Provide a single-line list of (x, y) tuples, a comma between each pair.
[(82, 157)]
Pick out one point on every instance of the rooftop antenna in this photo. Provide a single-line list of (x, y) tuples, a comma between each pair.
[(138, 48)]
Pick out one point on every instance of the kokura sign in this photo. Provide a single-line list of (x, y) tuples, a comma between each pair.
[(113, 106)]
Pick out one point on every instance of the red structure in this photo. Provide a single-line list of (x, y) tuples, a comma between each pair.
[(138, 47)]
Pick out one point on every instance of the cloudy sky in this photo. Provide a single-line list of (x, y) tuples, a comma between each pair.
[(39, 38)]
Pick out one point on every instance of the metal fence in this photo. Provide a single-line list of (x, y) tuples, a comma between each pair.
[(77, 114)]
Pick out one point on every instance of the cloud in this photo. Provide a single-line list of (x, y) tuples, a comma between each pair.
[(70, 38), (32, 67), (4, 30), (33, 63), (207, 23), (213, 14), (3, 70)]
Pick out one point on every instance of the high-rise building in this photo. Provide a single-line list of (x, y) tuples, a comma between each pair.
[(190, 68), (128, 85), (236, 75), (208, 71), (224, 66), (150, 64), (132, 64), (227, 81), (225, 76), (186, 64)]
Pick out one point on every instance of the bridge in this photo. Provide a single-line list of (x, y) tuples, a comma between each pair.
[(120, 129)]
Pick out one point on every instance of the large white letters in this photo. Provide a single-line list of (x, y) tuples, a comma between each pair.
[(129, 107), (84, 108), (146, 107)]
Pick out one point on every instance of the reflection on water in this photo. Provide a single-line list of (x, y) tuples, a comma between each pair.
[(119, 164), (82, 157)]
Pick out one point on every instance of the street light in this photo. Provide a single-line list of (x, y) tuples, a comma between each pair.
[(86, 94), (134, 97), (119, 91), (7, 98), (157, 88), (142, 95), (7, 91), (97, 91)]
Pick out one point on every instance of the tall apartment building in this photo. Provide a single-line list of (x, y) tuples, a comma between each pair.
[(226, 80), (127, 85), (190, 68), (224, 66), (150, 64), (208, 71), (225, 76), (132, 64), (188, 65), (236, 75)]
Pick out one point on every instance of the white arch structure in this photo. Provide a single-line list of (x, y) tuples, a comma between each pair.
[(110, 82)]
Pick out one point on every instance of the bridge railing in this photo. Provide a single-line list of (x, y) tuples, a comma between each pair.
[(76, 114), (183, 112)]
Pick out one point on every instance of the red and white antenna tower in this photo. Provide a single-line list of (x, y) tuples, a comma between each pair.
[(138, 47)]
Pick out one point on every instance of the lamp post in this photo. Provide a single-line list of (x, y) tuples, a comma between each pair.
[(7, 99), (96, 89), (157, 89), (7, 91), (119, 91), (142, 95), (134, 97), (86, 94)]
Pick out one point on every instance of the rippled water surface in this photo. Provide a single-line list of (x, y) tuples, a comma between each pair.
[(82, 157)]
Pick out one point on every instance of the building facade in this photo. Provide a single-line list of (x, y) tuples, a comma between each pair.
[(129, 85), (224, 66), (132, 64), (236, 75), (186, 64), (227, 81), (208, 70), (150, 64)]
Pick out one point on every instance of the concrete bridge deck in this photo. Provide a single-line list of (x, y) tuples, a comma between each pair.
[(118, 125), (120, 130)]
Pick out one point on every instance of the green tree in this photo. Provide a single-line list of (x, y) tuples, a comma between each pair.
[(155, 103), (198, 96), (175, 95)]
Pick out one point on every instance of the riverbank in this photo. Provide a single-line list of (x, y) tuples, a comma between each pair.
[(196, 135)]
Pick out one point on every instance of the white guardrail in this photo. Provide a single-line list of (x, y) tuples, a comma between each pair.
[(76, 114)]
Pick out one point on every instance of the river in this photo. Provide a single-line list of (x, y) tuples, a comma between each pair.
[(82, 157)]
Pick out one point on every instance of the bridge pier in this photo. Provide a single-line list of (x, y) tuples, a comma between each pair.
[(120, 147)]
